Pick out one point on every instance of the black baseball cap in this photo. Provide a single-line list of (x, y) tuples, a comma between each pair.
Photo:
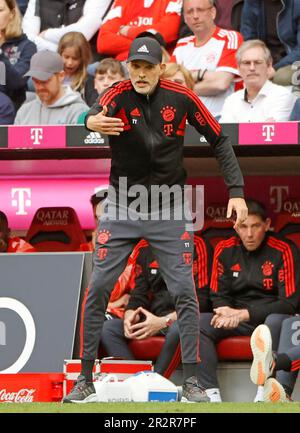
[(154, 35), (147, 49)]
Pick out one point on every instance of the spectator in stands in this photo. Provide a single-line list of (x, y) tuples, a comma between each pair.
[(22, 5), (46, 21), (151, 310), (261, 100), (254, 274), (295, 114), (209, 54), (124, 23), (9, 244), (277, 23), (285, 361), (76, 53), (108, 72), (55, 103), (15, 53), (7, 110), (229, 16), (179, 74)]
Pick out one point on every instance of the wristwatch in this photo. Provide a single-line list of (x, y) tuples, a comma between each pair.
[(169, 321)]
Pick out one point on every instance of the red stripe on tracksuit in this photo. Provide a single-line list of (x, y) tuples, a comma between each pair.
[(295, 365), (204, 111), (81, 322), (114, 91), (218, 250), (202, 262), (288, 264)]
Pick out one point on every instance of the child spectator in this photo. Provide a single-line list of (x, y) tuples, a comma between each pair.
[(108, 72), (15, 52), (76, 53), (179, 74)]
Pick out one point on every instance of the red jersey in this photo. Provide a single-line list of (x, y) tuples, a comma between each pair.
[(162, 16)]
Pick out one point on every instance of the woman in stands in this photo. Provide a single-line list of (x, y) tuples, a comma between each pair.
[(179, 74), (15, 53), (76, 53)]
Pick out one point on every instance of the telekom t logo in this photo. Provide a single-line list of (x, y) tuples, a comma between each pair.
[(21, 198), (36, 134), (268, 131)]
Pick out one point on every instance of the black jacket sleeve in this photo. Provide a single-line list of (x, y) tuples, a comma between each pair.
[(206, 124)]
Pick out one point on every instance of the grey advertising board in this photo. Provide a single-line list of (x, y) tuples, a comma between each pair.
[(39, 298)]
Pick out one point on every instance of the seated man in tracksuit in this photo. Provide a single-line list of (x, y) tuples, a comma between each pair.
[(151, 309), (254, 274)]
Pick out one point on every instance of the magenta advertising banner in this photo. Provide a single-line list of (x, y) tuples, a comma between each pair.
[(268, 133), (20, 198), (37, 137)]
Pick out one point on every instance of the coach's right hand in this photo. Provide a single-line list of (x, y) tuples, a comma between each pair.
[(104, 124)]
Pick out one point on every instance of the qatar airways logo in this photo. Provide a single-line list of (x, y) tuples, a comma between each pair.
[(268, 131), (21, 198), (36, 135)]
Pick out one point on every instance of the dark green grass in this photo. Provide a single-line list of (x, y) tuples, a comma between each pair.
[(150, 408)]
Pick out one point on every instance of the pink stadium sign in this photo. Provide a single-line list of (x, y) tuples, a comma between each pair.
[(268, 133), (36, 137)]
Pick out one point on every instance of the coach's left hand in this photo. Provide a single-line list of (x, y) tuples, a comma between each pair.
[(239, 206)]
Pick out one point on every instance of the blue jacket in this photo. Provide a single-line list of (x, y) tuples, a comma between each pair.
[(7, 110), (16, 54), (253, 26)]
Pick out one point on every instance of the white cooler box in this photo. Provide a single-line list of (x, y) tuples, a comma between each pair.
[(140, 387)]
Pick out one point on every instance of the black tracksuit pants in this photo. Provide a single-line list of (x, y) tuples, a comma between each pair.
[(115, 241)]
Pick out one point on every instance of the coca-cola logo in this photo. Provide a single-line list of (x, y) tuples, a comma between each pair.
[(23, 395)]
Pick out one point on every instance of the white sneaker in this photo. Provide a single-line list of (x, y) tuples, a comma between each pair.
[(263, 363), (274, 392), (259, 395), (214, 395)]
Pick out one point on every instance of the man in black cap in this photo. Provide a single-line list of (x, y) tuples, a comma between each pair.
[(145, 118)]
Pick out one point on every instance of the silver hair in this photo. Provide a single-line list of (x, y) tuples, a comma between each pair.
[(254, 43)]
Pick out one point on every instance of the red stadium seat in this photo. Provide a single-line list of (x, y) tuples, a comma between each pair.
[(55, 229), (217, 229), (288, 225), (234, 349), (150, 348)]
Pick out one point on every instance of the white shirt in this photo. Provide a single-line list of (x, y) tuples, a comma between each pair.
[(272, 102), (88, 24), (217, 54)]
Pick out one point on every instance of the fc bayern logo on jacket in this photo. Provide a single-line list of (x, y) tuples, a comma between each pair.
[(168, 113), (267, 269), (103, 236)]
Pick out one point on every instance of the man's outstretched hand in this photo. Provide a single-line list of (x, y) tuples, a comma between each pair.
[(106, 125)]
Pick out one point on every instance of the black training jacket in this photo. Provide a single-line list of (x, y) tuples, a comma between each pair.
[(150, 290), (263, 281), (150, 150)]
